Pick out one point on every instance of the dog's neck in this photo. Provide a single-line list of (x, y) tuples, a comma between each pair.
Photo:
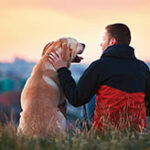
[(49, 66)]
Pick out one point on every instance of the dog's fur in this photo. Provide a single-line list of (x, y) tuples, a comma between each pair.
[(42, 100)]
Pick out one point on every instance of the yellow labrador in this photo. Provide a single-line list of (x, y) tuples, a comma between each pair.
[(42, 100)]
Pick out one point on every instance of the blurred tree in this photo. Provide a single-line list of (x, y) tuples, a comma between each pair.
[(7, 84), (22, 83)]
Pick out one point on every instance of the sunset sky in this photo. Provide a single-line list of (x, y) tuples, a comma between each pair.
[(26, 26)]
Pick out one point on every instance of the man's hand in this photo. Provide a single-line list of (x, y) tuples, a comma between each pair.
[(56, 60)]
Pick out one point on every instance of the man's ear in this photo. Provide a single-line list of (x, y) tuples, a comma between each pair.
[(46, 47), (113, 41)]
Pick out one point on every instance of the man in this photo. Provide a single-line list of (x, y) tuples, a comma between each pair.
[(120, 81)]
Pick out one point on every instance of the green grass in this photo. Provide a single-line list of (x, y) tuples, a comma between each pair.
[(76, 139)]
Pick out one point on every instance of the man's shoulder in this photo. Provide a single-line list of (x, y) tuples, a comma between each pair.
[(96, 65), (142, 64), (97, 62)]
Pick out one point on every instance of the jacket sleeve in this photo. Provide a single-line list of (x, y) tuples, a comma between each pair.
[(85, 89), (147, 92)]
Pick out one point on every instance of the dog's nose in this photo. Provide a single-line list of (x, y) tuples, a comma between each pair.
[(83, 45)]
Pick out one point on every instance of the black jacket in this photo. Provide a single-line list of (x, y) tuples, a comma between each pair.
[(117, 68)]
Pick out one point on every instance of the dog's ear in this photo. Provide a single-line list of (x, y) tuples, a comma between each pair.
[(46, 47), (66, 55), (73, 53), (65, 51)]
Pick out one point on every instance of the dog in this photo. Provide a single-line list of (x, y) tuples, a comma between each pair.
[(42, 100)]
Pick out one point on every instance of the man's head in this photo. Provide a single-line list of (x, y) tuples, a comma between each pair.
[(116, 34)]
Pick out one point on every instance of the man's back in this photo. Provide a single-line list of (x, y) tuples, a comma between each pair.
[(123, 71), (123, 81)]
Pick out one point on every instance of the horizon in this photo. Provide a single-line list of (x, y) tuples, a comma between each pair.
[(32, 61)]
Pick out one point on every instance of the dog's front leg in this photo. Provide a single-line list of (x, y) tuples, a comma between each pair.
[(63, 107)]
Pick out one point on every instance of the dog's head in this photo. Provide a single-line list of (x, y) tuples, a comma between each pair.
[(74, 48)]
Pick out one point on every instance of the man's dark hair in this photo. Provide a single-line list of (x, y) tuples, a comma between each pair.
[(120, 32)]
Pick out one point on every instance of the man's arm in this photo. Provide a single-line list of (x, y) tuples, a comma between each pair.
[(87, 86), (85, 89)]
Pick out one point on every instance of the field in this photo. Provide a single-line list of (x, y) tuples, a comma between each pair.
[(77, 138)]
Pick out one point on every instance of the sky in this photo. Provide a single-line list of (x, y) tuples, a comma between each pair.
[(26, 26)]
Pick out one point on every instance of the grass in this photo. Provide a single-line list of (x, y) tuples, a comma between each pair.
[(77, 138)]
